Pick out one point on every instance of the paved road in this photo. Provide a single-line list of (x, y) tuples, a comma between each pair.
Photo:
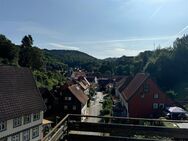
[(95, 108)]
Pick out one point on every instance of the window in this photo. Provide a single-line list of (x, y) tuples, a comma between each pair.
[(65, 107), (26, 135), (17, 122), (156, 96), (161, 106), (155, 106), (36, 116), (35, 132), (74, 107), (15, 137), (142, 95), (146, 87), (27, 119), (68, 98), (3, 125)]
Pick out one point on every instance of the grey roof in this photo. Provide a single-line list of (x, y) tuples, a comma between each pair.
[(18, 93)]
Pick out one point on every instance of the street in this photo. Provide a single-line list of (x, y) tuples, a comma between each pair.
[(94, 110), (95, 107)]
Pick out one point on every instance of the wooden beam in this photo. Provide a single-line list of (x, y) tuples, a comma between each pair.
[(77, 137), (128, 130)]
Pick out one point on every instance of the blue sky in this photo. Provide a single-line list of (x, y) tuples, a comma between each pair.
[(102, 28)]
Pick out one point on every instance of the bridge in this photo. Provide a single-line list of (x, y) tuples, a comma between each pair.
[(71, 128)]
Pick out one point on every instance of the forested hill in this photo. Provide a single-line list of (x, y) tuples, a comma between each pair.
[(74, 58)]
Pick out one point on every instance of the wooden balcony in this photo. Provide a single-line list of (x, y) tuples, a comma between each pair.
[(115, 129)]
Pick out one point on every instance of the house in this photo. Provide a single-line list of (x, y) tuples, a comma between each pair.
[(71, 99), (21, 105), (49, 100), (103, 82), (141, 97), (84, 84), (77, 73)]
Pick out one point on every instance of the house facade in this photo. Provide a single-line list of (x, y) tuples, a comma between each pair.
[(23, 128), (71, 99), (21, 105), (142, 97)]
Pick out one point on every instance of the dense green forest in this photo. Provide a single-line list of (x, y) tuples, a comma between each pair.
[(167, 66)]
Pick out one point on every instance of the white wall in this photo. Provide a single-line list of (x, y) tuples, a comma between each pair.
[(10, 130), (35, 139), (123, 102), (84, 111)]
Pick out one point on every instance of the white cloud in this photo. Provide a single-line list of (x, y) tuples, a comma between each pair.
[(123, 40), (61, 46)]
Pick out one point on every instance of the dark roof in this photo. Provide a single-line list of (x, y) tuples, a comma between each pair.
[(122, 84), (18, 93), (134, 85), (78, 93)]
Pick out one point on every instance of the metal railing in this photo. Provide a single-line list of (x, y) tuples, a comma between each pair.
[(71, 128)]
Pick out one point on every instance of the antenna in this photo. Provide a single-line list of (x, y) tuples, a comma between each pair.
[(154, 45)]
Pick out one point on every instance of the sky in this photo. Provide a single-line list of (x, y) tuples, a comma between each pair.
[(101, 28)]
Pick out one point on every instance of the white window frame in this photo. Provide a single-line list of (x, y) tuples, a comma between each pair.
[(17, 122), (155, 106), (26, 135), (156, 96), (35, 132), (3, 126), (36, 116), (27, 119), (15, 137)]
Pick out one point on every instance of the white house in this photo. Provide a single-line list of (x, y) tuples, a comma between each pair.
[(21, 106)]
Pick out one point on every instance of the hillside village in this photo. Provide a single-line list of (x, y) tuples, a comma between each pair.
[(39, 92), (29, 113)]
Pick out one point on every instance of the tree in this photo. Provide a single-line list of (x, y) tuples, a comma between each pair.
[(8, 51), (29, 56), (27, 41)]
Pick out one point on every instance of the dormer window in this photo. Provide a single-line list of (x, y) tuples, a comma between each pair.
[(3, 125)]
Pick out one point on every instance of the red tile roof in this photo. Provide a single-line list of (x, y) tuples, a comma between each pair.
[(78, 93), (134, 85)]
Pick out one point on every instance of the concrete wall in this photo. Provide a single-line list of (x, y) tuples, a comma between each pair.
[(11, 131)]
